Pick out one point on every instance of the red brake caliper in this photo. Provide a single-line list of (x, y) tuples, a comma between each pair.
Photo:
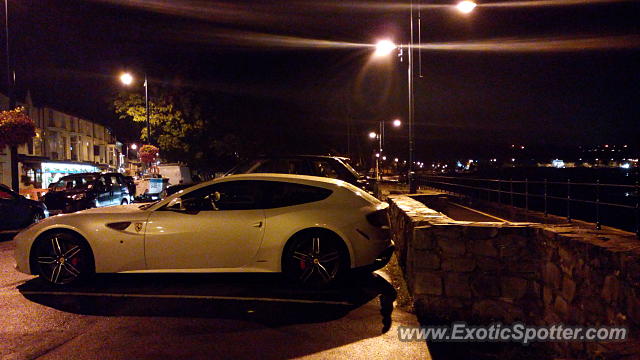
[(303, 265)]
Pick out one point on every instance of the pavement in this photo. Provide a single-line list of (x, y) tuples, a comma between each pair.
[(199, 316)]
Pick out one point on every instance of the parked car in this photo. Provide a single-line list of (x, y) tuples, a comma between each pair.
[(310, 228), (83, 191), (131, 185), (315, 165), (17, 212)]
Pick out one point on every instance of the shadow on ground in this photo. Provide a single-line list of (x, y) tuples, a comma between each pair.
[(264, 298), (482, 350)]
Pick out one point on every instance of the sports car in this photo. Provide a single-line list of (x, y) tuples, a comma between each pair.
[(310, 228)]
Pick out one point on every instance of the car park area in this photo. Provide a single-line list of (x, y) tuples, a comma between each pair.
[(147, 316)]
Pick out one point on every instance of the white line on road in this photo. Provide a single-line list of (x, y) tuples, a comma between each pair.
[(174, 296)]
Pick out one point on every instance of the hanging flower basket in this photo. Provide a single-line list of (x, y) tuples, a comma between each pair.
[(148, 153), (16, 127)]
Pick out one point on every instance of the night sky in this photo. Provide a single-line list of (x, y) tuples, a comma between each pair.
[(298, 72)]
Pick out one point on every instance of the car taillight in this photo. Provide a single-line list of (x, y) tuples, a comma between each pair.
[(379, 218)]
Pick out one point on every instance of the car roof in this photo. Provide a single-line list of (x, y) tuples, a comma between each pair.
[(282, 177)]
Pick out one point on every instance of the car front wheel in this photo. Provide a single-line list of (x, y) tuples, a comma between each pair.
[(62, 259), (315, 259)]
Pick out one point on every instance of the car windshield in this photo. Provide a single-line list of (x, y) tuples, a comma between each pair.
[(72, 183)]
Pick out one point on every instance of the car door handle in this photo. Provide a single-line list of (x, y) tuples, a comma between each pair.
[(258, 224)]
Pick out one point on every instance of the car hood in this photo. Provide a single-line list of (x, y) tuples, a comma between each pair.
[(129, 208)]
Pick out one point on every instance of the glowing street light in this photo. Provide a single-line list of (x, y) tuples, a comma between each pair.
[(397, 122), (134, 146), (373, 135), (126, 79), (466, 7), (384, 48)]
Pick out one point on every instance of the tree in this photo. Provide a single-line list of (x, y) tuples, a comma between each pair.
[(176, 122)]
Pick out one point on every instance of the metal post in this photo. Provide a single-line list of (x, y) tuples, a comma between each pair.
[(637, 200), (146, 104), (598, 226), (412, 184), (545, 197), (511, 190), (569, 200), (11, 77), (526, 195)]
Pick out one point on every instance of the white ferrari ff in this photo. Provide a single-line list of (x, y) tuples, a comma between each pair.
[(310, 228)]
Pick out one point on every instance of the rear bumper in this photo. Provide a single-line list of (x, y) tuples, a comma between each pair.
[(381, 260)]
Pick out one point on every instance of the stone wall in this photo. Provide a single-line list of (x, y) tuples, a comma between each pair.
[(534, 273)]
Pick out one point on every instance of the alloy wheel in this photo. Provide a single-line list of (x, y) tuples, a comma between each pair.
[(315, 260), (61, 259)]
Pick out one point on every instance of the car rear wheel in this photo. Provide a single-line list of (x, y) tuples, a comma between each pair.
[(62, 259), (315, 259), (124, 202)]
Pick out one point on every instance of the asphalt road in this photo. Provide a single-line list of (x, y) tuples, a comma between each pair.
[(209, 316)]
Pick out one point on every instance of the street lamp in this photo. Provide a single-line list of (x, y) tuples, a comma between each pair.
[(127, 79), (466, 7), (380, 136), (385, 48)]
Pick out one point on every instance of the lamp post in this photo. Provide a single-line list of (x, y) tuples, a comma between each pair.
[(380, 136), (15, 184), (127, 79), (385, 47)]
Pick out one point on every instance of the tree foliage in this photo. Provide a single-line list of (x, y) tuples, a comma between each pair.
[(176, 122)]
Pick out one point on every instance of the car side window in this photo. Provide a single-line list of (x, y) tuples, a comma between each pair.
[(281, 194), (230, 195), (323, 168)]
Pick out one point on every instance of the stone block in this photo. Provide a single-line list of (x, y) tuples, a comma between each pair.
[(485, 286), (457, 285), (568, 259), (547, 295), (426, 260), (459, 264), (497, 311), (428, 283), (480, 232), (552, 275), (451, 246), (509, 250), (568, 289), (422, 239), (610, 289), (483, 248), (561, 307), (489, 264), (513, 287)]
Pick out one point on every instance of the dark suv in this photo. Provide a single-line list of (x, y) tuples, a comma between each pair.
[(315, 165), (83, 191)]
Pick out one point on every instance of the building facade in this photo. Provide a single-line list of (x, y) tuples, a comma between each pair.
[(64, 144)]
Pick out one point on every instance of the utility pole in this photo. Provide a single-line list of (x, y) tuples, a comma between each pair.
[(11, 77)]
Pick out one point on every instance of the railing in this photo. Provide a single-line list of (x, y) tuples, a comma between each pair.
[(573, 200)]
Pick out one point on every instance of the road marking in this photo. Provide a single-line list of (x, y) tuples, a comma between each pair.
[(479, 212), (173, 296)]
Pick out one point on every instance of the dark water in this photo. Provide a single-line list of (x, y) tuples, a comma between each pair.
[(613, 202)]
